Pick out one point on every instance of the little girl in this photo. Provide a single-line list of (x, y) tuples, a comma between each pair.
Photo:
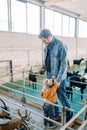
[(48, 93)]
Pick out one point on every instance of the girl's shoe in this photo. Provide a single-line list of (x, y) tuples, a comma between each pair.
[(52, 127)]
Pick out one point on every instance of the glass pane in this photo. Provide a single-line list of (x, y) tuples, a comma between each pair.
[(57, 23), (49, 19), (33, 16), (65, 25), (82, 29), (18, 16), (72, 27), (3, 15)]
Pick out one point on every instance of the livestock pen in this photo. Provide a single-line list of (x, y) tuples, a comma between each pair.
[(22, 91)]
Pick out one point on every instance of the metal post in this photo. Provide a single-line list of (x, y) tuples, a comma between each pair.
[(23, 97), (28, 56), (11, 72), (77, 32), (63, 116), (85, 112)]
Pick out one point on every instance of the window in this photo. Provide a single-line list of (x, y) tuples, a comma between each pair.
[(65, 25), (33, 16), (49, 20), (25, 17), (82, 29), (68, 26), (57, 23), (3, 15), (72, 27), (18, 16)]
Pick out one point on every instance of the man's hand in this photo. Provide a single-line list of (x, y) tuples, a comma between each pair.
[(58, 84)]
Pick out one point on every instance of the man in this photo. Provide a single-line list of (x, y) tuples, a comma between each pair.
[(55, 59)]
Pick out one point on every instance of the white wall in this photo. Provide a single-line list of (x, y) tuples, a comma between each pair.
[(25, 49)]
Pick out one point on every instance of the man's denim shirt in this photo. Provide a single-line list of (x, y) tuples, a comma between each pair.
[(58, 53)]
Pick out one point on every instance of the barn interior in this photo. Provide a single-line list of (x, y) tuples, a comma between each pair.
[(22, 51)]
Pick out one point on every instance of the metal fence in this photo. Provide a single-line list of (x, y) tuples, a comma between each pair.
[(63, 125)]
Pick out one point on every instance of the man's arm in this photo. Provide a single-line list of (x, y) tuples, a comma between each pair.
[(63, 64)]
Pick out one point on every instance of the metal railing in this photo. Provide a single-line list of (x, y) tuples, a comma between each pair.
[(21, 106), (72, 120), (63, 123)]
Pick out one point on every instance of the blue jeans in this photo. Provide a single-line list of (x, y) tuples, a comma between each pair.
[(49, 111), (61, 93), (57, 112)]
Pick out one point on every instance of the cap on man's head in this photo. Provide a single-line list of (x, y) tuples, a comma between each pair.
[(45, 33)]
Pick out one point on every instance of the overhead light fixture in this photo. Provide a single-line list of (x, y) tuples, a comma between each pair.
[(22, 1), (82, 16), (50, 2)]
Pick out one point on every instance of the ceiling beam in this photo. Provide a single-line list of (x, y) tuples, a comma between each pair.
[(51, 2), (83, 16)]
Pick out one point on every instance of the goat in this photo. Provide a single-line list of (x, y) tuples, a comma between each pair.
[(85, 71), (69, 90), (78, 61), (3, 113), (70, 74), (42, 70), (33, 78), (18, 124), (76, 80)]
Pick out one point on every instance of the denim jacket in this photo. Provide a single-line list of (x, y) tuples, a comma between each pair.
[(58, 53)]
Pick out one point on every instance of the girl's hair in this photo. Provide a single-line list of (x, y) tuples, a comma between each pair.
[(49, 82), (45, 82)]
